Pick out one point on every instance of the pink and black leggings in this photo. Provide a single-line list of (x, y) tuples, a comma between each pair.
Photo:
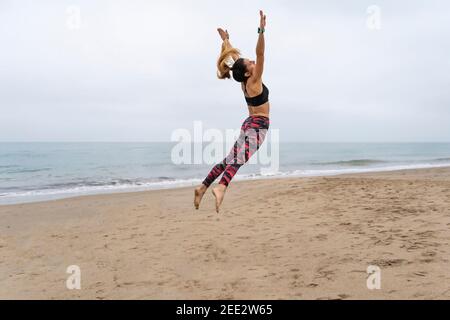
[(253, 133)]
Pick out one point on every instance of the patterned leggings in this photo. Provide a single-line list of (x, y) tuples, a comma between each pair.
[(253, 132)]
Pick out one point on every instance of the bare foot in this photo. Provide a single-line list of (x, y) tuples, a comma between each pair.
[(198, 195), (219, 193)]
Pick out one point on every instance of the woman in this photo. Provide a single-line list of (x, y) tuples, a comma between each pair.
[(249, 74)]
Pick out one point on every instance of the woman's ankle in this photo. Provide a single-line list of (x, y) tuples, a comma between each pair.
[(222, 185)]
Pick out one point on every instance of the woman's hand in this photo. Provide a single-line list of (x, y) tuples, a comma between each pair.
[(223, 34), (262, 20)]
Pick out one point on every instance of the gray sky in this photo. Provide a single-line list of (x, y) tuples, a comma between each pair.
[(137, 70)]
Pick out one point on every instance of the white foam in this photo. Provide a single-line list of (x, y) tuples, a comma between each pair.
[(52, 194), (329, 172)]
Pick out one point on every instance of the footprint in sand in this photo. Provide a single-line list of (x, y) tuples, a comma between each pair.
[(215, 253), (420, 273), (389, 262), (429, 253), (321, 237)]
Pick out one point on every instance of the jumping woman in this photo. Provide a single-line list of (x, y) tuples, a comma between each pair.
[(249, 74)]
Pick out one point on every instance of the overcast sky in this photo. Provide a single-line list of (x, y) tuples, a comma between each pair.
[(133, 70)]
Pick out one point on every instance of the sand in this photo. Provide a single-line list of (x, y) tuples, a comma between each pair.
[(296, 238)]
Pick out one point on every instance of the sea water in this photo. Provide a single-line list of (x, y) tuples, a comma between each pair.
[(51, 170)]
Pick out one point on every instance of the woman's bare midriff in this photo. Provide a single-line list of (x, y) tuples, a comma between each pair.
[(262, 110)]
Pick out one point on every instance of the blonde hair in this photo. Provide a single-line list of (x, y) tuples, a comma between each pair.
[(223, 70)]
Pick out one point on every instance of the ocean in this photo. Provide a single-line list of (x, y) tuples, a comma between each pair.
[(50, 170)]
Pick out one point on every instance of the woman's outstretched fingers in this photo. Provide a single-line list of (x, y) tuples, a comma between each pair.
[(223, 34), (263, 19)]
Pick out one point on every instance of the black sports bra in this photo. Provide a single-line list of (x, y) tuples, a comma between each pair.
[(258, 100)]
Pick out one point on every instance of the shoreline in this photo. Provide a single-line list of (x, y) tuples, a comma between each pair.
[(189, 183)]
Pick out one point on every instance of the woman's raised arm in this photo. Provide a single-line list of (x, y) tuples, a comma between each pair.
[(226, 44), (260, 47)]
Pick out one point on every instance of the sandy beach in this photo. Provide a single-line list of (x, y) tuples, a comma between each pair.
[(295, 238)]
